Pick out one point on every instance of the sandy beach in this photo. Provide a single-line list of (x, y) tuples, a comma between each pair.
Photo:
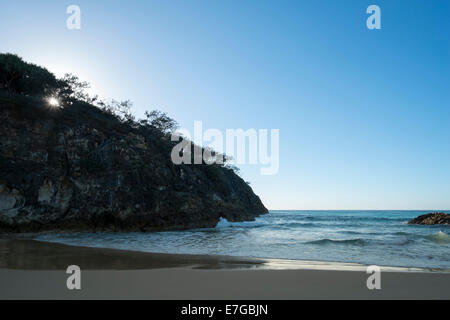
[(37, 270)]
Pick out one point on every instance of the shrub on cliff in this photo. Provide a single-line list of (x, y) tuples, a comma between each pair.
[(71, 88), (20, 77), (160, 121)]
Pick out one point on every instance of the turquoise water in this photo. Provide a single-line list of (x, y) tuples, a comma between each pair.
[(370, 237)]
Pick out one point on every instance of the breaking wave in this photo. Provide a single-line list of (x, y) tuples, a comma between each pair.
[(439, 238)]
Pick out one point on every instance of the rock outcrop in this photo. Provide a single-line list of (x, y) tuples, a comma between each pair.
[(79, 168), (432, 218)]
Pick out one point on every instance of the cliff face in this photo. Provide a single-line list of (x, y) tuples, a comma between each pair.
[(80, 169)]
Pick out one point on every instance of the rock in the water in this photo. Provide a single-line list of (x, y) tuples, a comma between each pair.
[(80, 168), (432, 218)]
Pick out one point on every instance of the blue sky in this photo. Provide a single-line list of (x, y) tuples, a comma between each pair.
[(363, 114)]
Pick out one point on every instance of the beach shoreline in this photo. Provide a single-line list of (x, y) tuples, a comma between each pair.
[(17, 253), (32, 269)]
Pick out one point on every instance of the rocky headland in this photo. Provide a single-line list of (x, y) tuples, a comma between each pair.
[(80, 167)]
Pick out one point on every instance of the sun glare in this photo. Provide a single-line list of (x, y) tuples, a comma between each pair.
[(53, 102)]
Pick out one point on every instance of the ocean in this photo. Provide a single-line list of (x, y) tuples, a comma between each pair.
[(368, 237)]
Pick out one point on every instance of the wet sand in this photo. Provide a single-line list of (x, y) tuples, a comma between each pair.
[(36, 270), (36, 255)]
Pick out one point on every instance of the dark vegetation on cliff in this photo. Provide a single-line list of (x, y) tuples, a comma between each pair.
[(86, 164)]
